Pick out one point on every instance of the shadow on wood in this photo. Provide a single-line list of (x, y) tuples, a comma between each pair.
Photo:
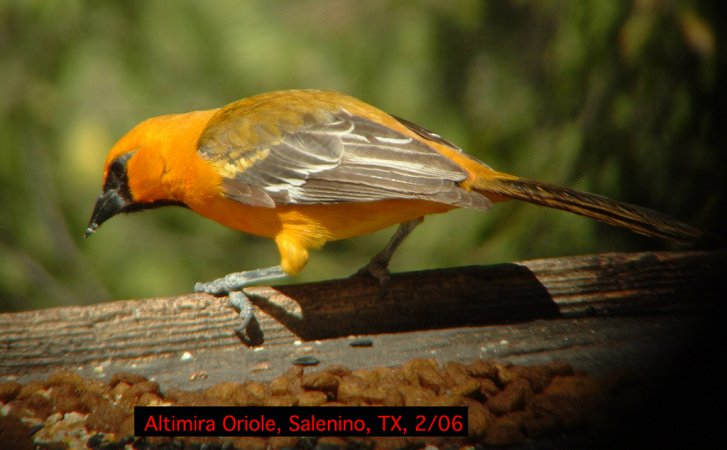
[(612, 284), (413, 301)]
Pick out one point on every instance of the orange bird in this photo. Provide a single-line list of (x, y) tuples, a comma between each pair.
[(305, 167)]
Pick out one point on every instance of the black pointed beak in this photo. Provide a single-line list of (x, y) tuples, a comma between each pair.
[(109, 203)]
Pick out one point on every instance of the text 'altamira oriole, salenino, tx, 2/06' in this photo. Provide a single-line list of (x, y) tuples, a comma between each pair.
[(305, 167)]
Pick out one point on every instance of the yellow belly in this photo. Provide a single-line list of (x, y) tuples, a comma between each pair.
[(317, 224), (296, 229)]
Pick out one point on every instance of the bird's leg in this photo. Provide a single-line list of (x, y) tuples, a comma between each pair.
[(378, 267), (238, 280), (233, 284)]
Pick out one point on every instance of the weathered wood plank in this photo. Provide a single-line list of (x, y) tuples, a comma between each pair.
[(137, 333)]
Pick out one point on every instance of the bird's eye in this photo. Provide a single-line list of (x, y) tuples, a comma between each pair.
[(116, 176), (117, 168)]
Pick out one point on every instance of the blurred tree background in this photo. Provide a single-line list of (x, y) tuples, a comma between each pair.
[(622, 98)]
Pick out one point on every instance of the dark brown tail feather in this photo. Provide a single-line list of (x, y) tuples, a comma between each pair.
[(635, 218)]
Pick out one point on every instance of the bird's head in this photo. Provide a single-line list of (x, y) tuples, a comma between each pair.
[(139, 172)]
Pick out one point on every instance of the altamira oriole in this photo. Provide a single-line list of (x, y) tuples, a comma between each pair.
[(305, 167)]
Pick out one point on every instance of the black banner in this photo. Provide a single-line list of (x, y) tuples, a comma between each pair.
[(300, 421)]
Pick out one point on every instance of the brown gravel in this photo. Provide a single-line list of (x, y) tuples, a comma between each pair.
[(508, 405)]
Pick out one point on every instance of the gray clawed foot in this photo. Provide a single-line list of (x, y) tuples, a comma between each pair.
[(242, 303), (377, 268), (249, 330), (232, 284)]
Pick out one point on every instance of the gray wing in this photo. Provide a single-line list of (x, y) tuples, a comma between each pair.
[(334, 158)]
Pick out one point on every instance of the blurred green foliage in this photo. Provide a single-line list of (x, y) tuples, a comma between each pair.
[(623, 98)]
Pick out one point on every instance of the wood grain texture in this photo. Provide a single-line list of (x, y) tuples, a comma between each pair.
[(467, 307)]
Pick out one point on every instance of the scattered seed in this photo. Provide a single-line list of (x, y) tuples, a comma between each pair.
[(306, 361), (361, 342)]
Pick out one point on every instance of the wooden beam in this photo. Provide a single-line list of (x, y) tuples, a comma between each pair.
[(132, 331)]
